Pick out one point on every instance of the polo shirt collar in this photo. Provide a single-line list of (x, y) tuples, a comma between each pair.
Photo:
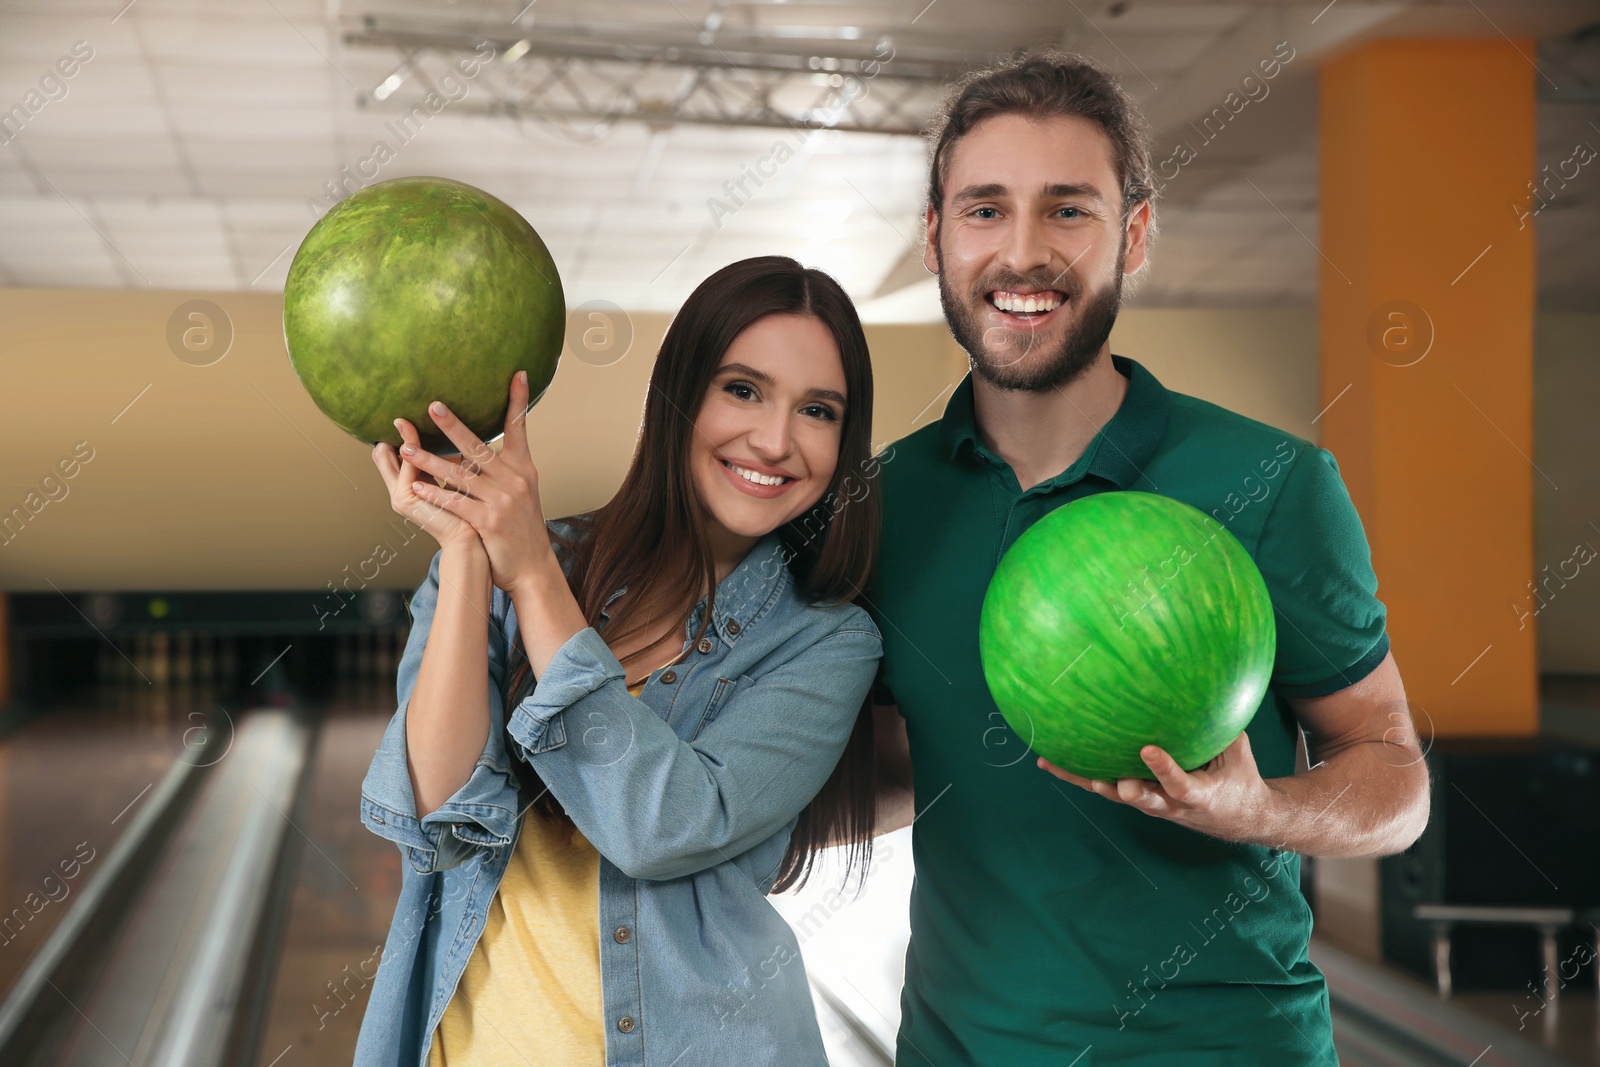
[(1118, 453)]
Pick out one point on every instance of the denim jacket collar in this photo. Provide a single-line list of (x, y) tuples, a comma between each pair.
[(744, 595)]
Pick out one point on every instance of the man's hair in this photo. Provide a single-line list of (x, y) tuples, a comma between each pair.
[(1044, 85)]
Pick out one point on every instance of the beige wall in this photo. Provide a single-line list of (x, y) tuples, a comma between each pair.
[(227, 477), (1259, 363)]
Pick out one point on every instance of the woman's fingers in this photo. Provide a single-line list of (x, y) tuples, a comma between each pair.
[(472, 449), (383, 457), (421, 460), (404, 428), (409, 463), (515, 442)]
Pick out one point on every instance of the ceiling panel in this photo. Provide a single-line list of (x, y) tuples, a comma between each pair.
[(201, 137)]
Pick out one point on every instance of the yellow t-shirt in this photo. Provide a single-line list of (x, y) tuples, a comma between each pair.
[(531, 989), (529, 997)]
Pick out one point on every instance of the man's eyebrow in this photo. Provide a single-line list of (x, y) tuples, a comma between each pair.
[(989, 190), (979, 192), (766, 379), (1083, 189)]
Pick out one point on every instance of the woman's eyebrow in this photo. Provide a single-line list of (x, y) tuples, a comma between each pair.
[(766, 379)]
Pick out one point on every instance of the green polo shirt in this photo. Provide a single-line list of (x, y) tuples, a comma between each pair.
[(1048, 923)]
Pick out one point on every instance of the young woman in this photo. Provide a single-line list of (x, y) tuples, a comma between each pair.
[(613, 729)]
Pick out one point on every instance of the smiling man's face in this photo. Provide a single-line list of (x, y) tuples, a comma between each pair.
[(1030, 249)]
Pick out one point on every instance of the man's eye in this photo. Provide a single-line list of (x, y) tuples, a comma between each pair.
[(1076, 212), (979, 212)]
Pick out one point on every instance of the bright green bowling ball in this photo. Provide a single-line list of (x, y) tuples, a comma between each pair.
[(1126, 619)]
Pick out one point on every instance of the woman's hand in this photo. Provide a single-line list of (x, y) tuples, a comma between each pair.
[(496, 495), (399, 474)]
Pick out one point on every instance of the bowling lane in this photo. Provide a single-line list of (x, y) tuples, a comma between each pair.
[(345, 885), (74, 777), (113, 695), (108, 710)]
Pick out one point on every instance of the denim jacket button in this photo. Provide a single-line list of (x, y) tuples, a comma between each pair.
[(625, 1024), (733, 626), (622, 935), (669, 677), (705, 644)]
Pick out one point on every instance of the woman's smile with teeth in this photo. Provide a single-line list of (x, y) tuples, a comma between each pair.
[(1017, 303), (754, 476)]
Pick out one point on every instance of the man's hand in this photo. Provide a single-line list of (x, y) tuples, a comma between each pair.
[(1227, 798), (1366, 793)]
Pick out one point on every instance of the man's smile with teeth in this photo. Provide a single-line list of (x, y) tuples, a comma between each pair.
[(1026, 303)]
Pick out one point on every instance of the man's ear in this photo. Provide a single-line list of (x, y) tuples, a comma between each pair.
[(1138, 225), (930, 247)]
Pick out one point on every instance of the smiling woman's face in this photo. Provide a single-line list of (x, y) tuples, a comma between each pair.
[(766, 441)]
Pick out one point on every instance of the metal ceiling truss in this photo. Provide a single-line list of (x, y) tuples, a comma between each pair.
[(582, 80)]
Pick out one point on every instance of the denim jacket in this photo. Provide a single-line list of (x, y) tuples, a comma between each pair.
[(689, 792)]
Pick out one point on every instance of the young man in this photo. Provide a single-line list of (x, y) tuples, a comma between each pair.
[(1056, 920)]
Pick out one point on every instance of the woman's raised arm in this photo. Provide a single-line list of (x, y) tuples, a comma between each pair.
[(447, 719)]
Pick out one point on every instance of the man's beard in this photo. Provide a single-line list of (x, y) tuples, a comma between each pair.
[(1096, 313)]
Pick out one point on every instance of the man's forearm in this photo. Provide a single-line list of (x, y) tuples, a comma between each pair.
[(1363, 801)]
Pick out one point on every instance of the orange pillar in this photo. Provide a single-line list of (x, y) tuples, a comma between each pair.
[(1426, 320)]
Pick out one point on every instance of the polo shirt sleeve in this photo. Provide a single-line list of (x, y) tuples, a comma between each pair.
[(1314, 556)]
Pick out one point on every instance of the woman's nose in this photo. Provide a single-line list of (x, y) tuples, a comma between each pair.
[(770, 438)]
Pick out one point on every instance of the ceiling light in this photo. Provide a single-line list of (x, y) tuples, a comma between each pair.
[(387, 87)]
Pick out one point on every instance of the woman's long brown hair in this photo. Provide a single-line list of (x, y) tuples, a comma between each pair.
[(651, 536)]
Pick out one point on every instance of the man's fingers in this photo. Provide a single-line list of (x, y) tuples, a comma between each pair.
[(1177, 782), (1105, 789), (1243, 741), (1065, 775), (1109, 790)]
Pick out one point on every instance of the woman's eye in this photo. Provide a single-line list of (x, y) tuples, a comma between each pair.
[(746, 386), (823, 411)]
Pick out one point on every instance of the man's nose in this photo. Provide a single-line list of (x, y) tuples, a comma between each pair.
[(1025, 250)]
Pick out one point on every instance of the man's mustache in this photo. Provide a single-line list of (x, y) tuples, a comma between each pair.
[(1063, 283)]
